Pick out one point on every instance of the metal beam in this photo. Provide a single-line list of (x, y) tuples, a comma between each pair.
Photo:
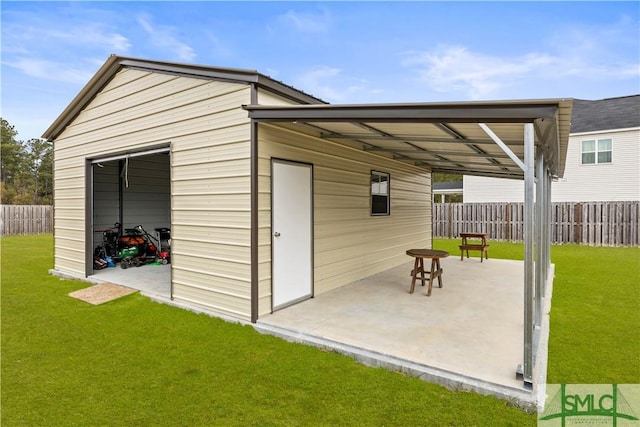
[(412, 138), (89, 179), (529, 194), (254, 217), (504, 146), (434, 162), (539, 233), (449, 130), (479, 172), (548, 222), (416, 147), (511, 112), (444, 153)]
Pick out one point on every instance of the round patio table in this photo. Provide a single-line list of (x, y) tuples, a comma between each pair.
[(418, 267)]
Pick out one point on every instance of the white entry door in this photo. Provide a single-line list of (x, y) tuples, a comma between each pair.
[(292, 232)]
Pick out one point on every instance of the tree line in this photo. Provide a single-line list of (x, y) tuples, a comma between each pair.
[(26, 169)]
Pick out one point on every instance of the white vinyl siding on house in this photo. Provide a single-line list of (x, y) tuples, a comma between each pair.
[(481, 189), (618, 180), (349, 243), (209, 133)]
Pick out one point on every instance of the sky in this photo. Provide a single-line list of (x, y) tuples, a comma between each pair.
[(342, 52)]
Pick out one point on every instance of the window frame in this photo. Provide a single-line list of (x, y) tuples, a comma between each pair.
[(596, 152), (373, 193)]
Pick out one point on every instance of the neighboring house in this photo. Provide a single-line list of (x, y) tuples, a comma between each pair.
[(443, 189), (603, 158), (271, 195)]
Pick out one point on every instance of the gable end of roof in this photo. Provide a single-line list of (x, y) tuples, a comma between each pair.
[(115, 63)]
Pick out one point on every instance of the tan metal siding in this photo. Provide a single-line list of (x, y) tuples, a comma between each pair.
[(268, 98), (350, 244), (143, 131), (211, 216), (210, 194)]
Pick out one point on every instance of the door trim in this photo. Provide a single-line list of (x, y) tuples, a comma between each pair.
[(312, 294)]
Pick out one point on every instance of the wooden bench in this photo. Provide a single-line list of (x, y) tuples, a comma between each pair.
[(478, 243)]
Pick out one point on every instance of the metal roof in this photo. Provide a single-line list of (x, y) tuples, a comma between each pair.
[(114, 63), (443, 137), (472, 138)]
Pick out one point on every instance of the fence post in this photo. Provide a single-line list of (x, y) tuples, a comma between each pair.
[(578, 222), (507, 229)]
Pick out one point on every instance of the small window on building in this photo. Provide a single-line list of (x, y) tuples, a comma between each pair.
[(379, 193), (596, 151)]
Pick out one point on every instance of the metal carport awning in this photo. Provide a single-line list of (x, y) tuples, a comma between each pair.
[(522, 139), (443, 137)]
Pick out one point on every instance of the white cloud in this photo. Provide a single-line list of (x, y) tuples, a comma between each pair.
[(457, 69), (481, 76), (308, 22), (317, 82), (90, 34), (216, 47), (61, 52), (331, 84), (51, 70), (573, 55), (116, 42), (25, 37), (162, 36)]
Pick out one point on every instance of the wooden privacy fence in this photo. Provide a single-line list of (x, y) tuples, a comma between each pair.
[(26, 219), (587, 223)]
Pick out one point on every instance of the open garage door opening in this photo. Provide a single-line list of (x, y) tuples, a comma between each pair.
[(131, 221)]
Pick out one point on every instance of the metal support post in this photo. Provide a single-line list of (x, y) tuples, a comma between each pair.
[(546, 231), (539, 237), (548, 221), (529, 199)]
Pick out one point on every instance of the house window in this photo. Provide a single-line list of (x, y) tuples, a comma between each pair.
[(379, 193), (596, 151)]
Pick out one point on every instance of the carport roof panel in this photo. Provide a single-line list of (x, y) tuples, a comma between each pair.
[(408, 131), (434, 112)]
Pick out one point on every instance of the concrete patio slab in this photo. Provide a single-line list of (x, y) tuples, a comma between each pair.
[(466, 335)]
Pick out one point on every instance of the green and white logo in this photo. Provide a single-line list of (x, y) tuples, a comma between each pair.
[(614, 405)]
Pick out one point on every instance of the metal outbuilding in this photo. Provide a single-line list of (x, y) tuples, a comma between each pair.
[(272, 195)]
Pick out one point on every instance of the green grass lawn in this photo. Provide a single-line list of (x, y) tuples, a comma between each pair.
[(132, 362)]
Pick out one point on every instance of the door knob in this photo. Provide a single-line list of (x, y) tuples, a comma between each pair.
[(276, 234)]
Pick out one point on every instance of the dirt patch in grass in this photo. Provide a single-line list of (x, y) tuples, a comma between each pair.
[(99, 294)]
